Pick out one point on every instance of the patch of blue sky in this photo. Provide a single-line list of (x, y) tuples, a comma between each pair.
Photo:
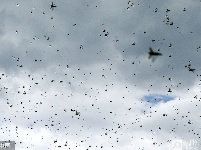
[(157, 98)]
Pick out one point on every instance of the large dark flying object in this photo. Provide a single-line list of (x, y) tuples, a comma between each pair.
[(192, 70), (52, 6), (152, 53)]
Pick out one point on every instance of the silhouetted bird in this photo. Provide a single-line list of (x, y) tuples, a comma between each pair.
[(52, 6), (169, 90), (191, 69), (153, 54), (77, 113)]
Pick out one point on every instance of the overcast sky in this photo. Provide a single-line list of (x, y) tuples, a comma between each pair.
[(79, 76)]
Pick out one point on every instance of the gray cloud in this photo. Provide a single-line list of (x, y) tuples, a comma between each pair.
[(81, 74)]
